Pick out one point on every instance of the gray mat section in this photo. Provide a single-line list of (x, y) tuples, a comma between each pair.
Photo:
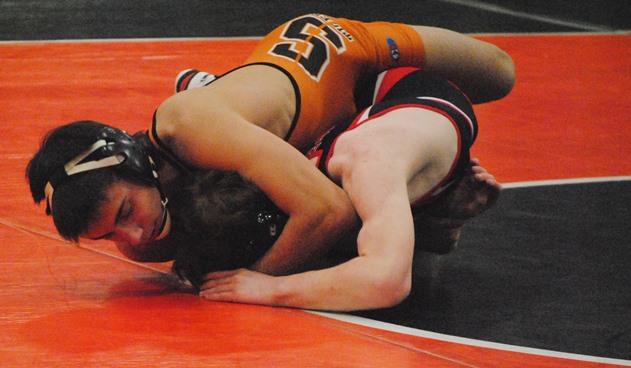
[(549, 268), (95, 19)]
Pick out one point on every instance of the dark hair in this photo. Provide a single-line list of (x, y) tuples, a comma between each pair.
[(77, 199), (230, 223)]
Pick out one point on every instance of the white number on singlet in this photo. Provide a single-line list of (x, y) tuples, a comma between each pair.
[(309, 44)]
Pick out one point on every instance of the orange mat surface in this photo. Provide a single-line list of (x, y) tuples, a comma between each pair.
[(63, 305)]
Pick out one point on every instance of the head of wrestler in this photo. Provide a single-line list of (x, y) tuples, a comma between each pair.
[(98, 183)]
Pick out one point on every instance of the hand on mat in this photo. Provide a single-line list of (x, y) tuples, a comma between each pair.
[(239, 286)]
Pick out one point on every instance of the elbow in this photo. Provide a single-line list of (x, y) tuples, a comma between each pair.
[(337, 214), (390, 290)]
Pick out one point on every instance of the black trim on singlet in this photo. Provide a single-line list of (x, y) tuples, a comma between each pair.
[(325, 143), (424, 84), (162, 148)]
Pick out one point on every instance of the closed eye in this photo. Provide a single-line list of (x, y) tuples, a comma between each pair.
[(125, 212)]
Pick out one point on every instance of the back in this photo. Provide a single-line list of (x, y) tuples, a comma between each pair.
[(261, 94), (332, 62)]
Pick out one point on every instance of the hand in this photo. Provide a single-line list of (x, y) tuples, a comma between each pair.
[(238, 286), (438, 228), (476, 192)]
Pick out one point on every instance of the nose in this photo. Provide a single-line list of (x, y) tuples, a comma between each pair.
[(128, 235)]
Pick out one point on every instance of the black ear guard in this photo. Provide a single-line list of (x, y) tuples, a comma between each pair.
[(136, 161), (115, 148)]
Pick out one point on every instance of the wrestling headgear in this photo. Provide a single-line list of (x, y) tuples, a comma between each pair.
[(113, 147)]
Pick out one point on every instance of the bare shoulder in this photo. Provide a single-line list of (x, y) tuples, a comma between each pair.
[(197, 124), (257, 94)]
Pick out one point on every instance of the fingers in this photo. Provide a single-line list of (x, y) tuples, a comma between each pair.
[(222, 292), (479, 172), (238, 286), (219, 280), (218, 296), (487, 180), (481, 175), (218, 286), (484, 189)]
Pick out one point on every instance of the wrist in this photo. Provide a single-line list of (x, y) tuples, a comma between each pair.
[(280, 292)]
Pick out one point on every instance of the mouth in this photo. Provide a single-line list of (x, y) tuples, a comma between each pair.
[(154, 234), (161, 225)]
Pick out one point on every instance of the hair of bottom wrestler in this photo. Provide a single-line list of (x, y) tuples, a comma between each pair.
[(217, 217)]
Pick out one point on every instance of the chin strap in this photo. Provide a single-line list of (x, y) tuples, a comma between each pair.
[(166, 219)]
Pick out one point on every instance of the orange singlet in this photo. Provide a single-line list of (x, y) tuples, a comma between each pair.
[(332, 62)]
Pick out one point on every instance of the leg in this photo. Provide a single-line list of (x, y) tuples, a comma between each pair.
[(483, 71)]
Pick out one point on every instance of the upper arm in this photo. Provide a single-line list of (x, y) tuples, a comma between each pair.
[(204, 136), (377, 188), (228, 142), (482, 70)]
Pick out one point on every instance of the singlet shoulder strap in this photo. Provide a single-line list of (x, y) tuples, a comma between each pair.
[(164, 150)]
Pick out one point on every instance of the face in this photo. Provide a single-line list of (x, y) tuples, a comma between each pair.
[(131, 216)]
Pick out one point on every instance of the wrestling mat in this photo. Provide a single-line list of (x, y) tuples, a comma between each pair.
[(542, 280)]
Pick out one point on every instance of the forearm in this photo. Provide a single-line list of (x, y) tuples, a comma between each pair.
[(379, 277), (308, 238), (358, 284)]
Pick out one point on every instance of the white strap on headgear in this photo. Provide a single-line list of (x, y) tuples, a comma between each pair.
[(73, 166)]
